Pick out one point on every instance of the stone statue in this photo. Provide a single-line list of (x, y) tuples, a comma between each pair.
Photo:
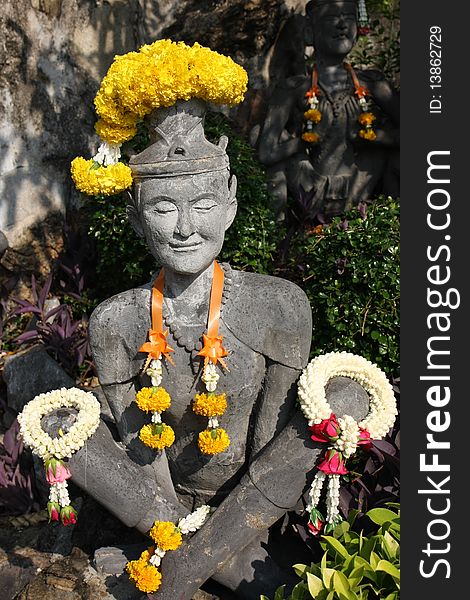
[(183, 201), (341, 169)]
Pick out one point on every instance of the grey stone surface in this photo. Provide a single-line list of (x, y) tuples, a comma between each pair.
[(340, 170), (32, 372)]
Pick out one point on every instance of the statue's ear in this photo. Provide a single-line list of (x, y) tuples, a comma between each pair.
[(232, 202), (133, 215)]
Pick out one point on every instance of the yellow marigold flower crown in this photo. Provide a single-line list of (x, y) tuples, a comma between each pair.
[(136, 84)]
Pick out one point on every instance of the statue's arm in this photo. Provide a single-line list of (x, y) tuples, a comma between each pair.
[(276, 144), (387, 98), (275, 482)]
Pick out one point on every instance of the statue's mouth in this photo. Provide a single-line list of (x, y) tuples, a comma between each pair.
[(185, 247)]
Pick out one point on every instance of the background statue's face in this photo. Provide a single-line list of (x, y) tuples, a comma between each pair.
[(334, 28), (184, 219)]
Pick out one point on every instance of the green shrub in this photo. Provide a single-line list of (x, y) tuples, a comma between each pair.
[(354, 566), (351, 277)]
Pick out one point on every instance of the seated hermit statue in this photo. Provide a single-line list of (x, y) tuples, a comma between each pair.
[(334, 130), (201, 330)]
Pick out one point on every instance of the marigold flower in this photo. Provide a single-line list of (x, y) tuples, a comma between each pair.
[(213, 441), (158, 441), (313, 115), (153, 399), (166, 535), (146, 576), (114, 134), (311, 137), (366, 118), (210, 405), (367, 134), (93, 180)]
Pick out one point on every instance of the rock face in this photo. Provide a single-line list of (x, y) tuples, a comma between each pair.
[(54, 54), (32, 372)]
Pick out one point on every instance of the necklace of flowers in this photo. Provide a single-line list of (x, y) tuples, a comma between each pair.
[(313, 116), (167, 536), (344, 435), (53, 450), (156, 399)]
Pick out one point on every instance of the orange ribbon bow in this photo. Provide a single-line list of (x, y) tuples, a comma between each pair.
[(157, 344), (212, 350)]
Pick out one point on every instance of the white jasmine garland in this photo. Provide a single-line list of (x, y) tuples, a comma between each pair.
[(108, 154), (188, 524), (312, 398), (315, 377), (195, 520), (155, 371), (210, 377), (348, 437), (315, 490), (332, 499), (86, 424)]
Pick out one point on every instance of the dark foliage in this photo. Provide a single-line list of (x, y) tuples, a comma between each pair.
[(17, 494)]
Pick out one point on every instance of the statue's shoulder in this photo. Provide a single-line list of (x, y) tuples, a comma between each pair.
[(270, 315), (118, 327)]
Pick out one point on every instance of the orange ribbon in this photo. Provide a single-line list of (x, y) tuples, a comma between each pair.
[(212, 350), (361, 90), (157, 344), (314, 90)]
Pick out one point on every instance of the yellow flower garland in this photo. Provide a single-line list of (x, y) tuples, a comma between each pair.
[(166, 535), (137, 83), (94, 180), (157, 436), (210, 405), (146, 576), (153, 399), (213, 441)]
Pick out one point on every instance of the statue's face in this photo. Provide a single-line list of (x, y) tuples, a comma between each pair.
[(334, 28), (184, 219)]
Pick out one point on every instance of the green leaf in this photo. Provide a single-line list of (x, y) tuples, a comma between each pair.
[(279, 594), (336, 546), (374, 560), (390, 545), (315, 585), (381, 515), (387, 567), (327, 575), (300, 570), (341, 583)]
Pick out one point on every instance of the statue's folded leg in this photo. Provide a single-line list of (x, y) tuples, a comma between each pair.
[(135, 494)]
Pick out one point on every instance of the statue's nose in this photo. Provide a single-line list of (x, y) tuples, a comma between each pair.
[(184, 225)]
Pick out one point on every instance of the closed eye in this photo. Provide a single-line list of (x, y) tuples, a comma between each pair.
[(204, 204), (164, 206)]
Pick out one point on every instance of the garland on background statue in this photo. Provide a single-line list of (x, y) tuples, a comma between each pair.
[(167, 536), (344, 435), (53, 450), (138, 83), (313, 115), (158, 435)]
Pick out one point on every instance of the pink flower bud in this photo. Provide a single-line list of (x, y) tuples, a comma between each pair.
[(53, 510), (333, 464), (326, 431), (364, 439), (68, 516), (56, 471)]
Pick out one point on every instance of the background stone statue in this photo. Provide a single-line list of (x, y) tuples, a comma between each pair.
[(183, 201), (342, 169)]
